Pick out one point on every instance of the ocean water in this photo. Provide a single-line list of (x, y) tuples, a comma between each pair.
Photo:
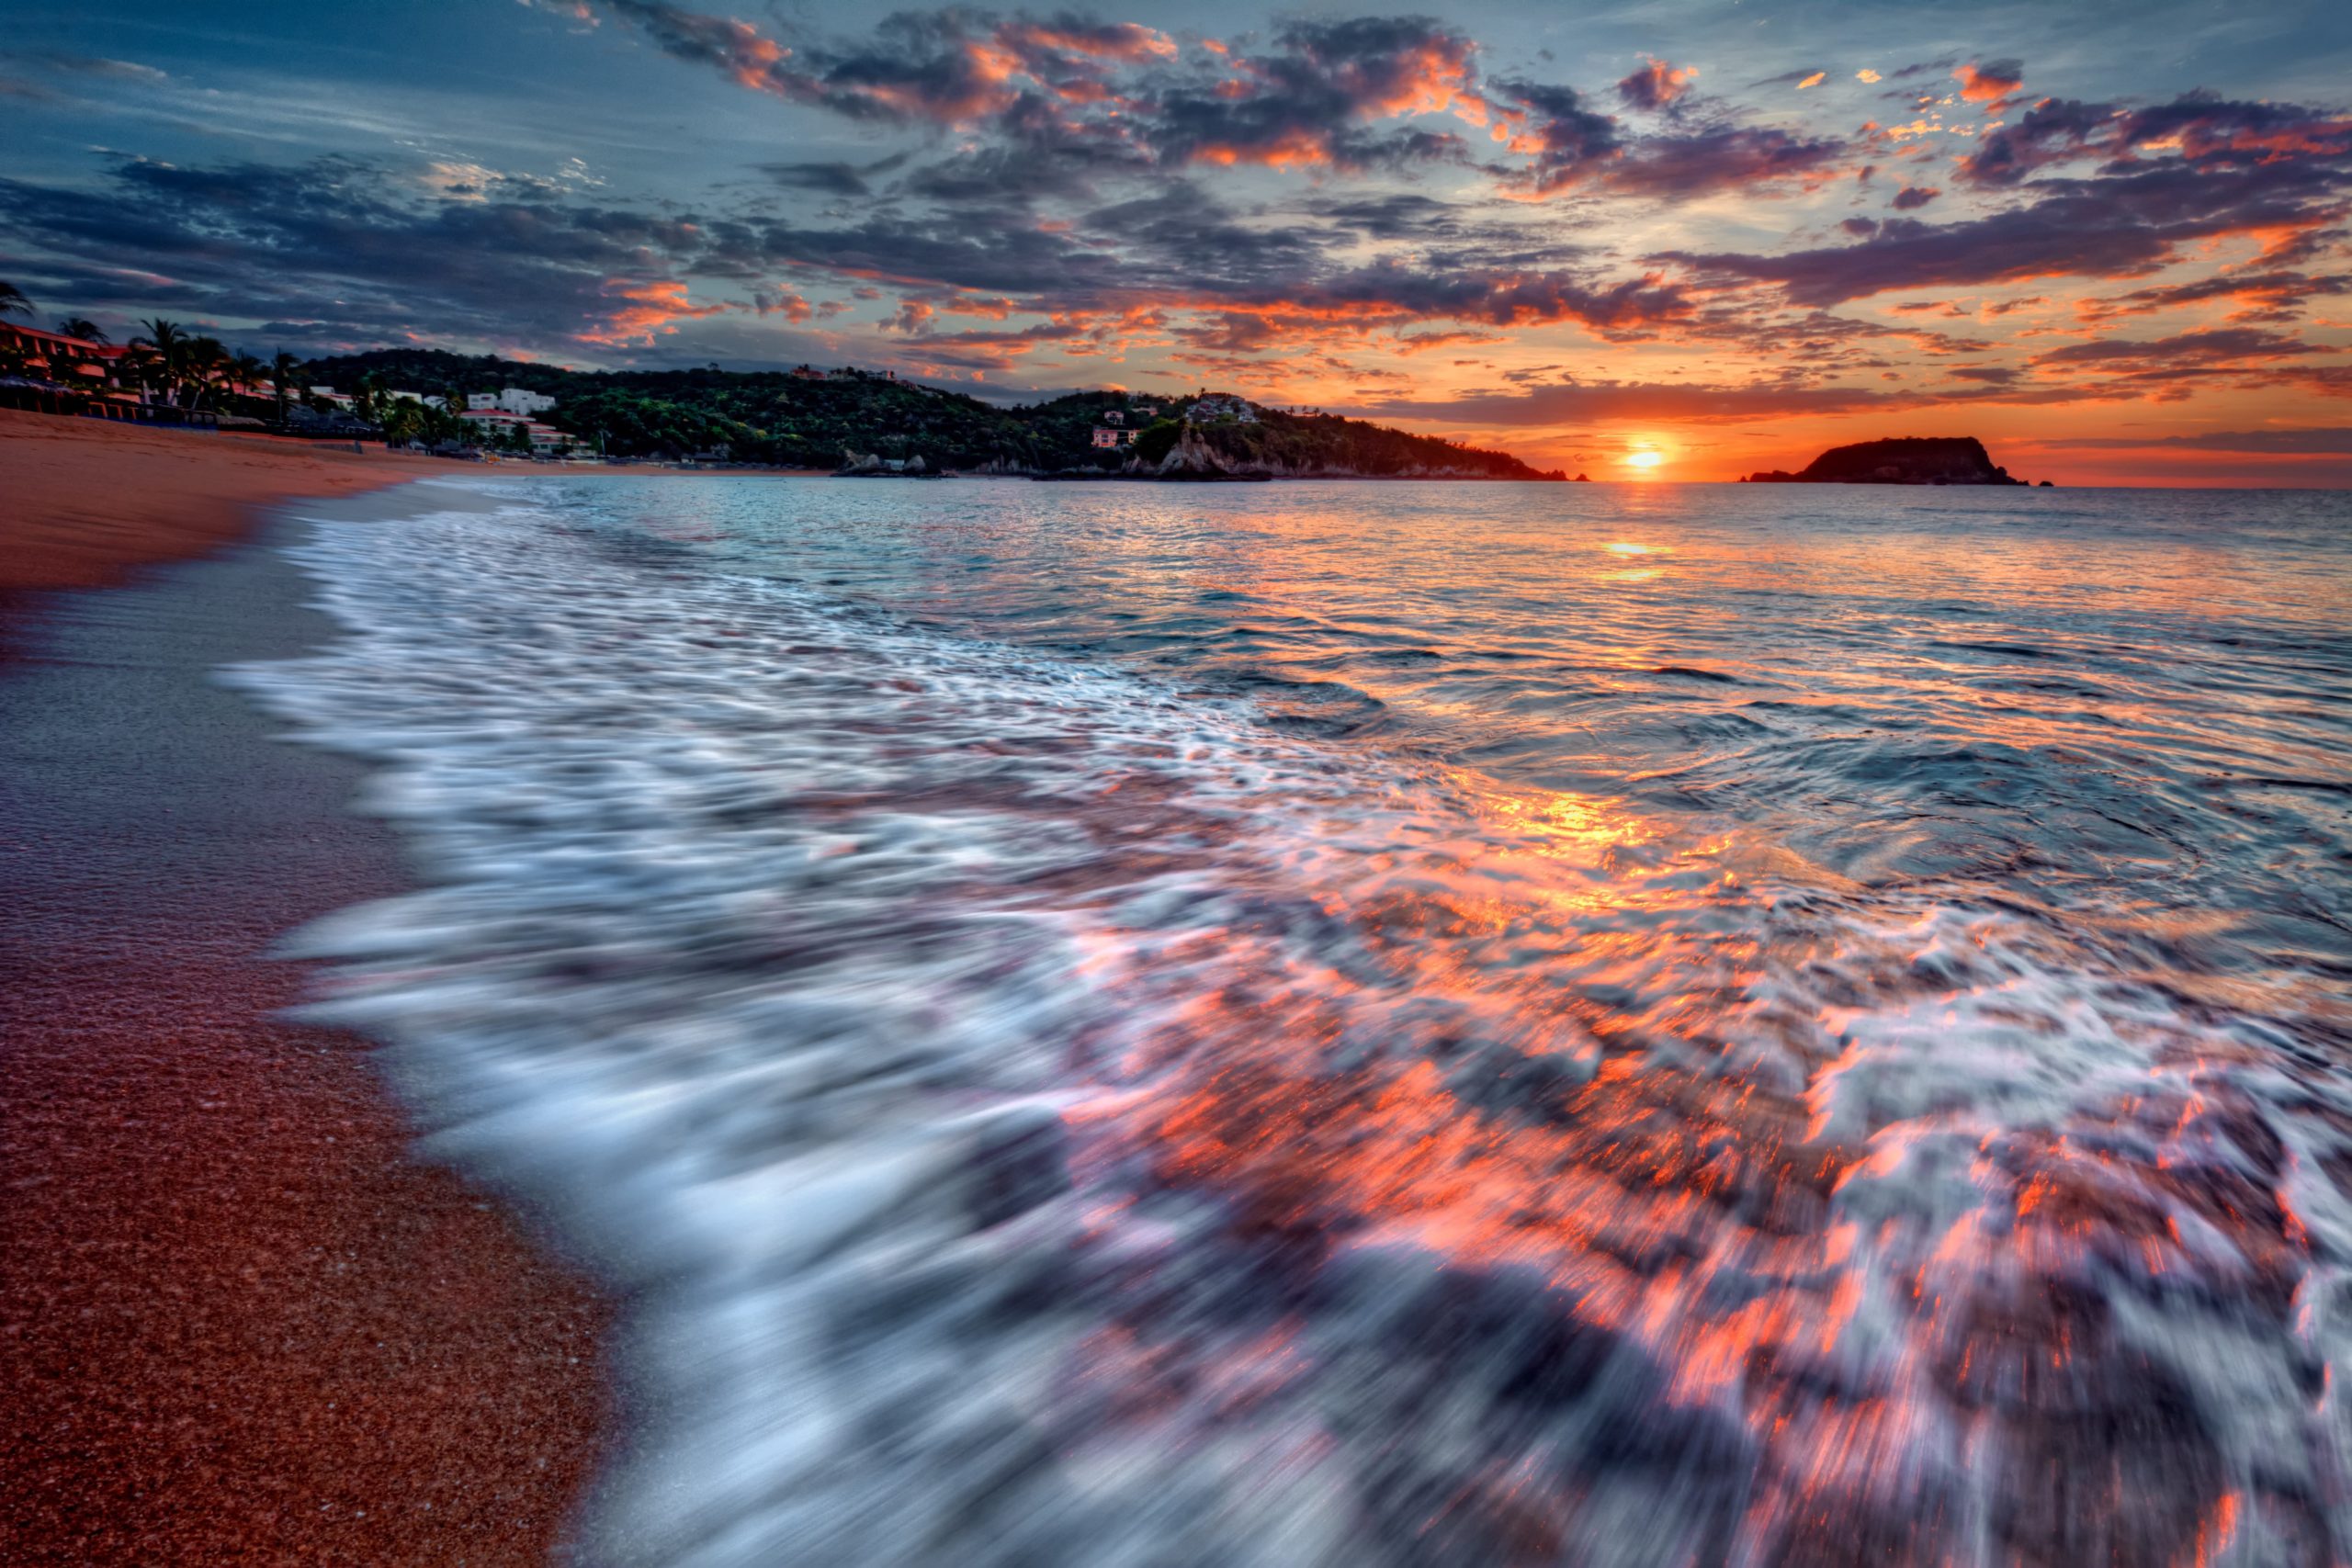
[(1363, 1024)]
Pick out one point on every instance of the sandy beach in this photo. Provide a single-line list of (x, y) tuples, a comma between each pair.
[(88, 499), (242, 1322)]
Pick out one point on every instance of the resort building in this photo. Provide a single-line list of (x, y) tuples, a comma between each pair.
[(514, 399), (500, 424), (53, 356)]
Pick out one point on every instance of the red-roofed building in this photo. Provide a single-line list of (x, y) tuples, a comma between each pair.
[(56, 357)]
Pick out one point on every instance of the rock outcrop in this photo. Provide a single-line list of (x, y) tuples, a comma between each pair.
[(1903, 460)]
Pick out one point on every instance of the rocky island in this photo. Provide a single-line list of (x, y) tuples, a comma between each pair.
[(1900, 460)]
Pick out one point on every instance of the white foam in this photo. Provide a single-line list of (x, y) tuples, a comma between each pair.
[(1033, 1118)]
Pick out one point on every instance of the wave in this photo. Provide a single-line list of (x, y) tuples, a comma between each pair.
[(1035, 1116)]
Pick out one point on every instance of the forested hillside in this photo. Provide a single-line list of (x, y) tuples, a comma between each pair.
[(779, 417)]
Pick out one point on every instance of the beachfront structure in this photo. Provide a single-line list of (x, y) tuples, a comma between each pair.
[(514, 399), (329, 395), (499, 423), (53, 356)]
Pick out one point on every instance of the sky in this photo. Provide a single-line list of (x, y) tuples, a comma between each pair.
[(2114, 239)]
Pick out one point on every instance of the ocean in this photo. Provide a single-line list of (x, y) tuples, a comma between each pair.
[(1390, 1023)]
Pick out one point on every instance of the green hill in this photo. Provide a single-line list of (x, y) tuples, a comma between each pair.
[(797, 422)]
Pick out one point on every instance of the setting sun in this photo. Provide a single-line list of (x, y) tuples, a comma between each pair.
[(1645, 460)]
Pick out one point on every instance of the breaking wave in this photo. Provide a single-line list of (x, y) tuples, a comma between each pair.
[(1032, 1116)]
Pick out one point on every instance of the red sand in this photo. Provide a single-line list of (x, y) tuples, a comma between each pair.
[(85, 498), (238, 1321)]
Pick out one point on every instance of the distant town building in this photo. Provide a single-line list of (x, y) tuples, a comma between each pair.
[(807, 373), (518, 400), (1112, 416), (1221, 405), (1112, 435), (1147, 410)]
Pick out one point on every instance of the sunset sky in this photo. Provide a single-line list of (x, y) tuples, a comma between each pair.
[(2112, 239)]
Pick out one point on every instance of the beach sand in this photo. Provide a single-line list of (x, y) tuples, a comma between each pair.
[(238, 1321), (85, 498)]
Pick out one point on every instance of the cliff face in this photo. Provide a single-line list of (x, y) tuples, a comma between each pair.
[(1904, 461)]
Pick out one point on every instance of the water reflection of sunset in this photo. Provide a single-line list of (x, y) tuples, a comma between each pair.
[(1577, 1049)]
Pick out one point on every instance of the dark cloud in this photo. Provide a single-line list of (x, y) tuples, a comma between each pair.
[(2221, 346), (1566, 140), (1656, 85), (1575, 401), (2197, 129), (345, 242), (1910, 198), (1304, 102), (2329, 441), (2124, 223), (1734, 157), (838, 177), (2270, 293)]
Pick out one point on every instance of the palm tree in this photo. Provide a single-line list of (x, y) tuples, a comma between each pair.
[(208, 365), (246, 371), (281, 373), (13, 301), (167, 353), (83, 328)]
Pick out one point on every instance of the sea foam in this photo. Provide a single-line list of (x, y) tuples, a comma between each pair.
[(1033, 1116)]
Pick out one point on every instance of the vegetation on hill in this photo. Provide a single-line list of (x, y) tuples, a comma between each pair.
[(1899, 460), (779, 417)]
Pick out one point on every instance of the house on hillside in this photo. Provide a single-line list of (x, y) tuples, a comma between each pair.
[(808, 373), (1221, 405), (1112, 435), (1114, 416)]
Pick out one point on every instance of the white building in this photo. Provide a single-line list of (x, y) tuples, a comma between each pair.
[(1221, 405), (514, 399), (545, 440)]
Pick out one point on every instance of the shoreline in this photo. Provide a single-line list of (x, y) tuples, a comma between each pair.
[(91, 499), (244, 1321)]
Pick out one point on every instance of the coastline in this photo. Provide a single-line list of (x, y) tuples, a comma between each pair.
[(90, 500), (242, 1322)]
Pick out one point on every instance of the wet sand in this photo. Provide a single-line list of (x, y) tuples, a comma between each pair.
[(240, 1321)]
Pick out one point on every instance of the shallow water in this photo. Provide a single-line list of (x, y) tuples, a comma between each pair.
[(1415, 1023)]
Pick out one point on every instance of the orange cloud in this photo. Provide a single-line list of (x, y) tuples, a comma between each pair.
[(652, 309)]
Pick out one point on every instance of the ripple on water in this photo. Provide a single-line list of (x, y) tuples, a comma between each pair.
[(1043, 1117)]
